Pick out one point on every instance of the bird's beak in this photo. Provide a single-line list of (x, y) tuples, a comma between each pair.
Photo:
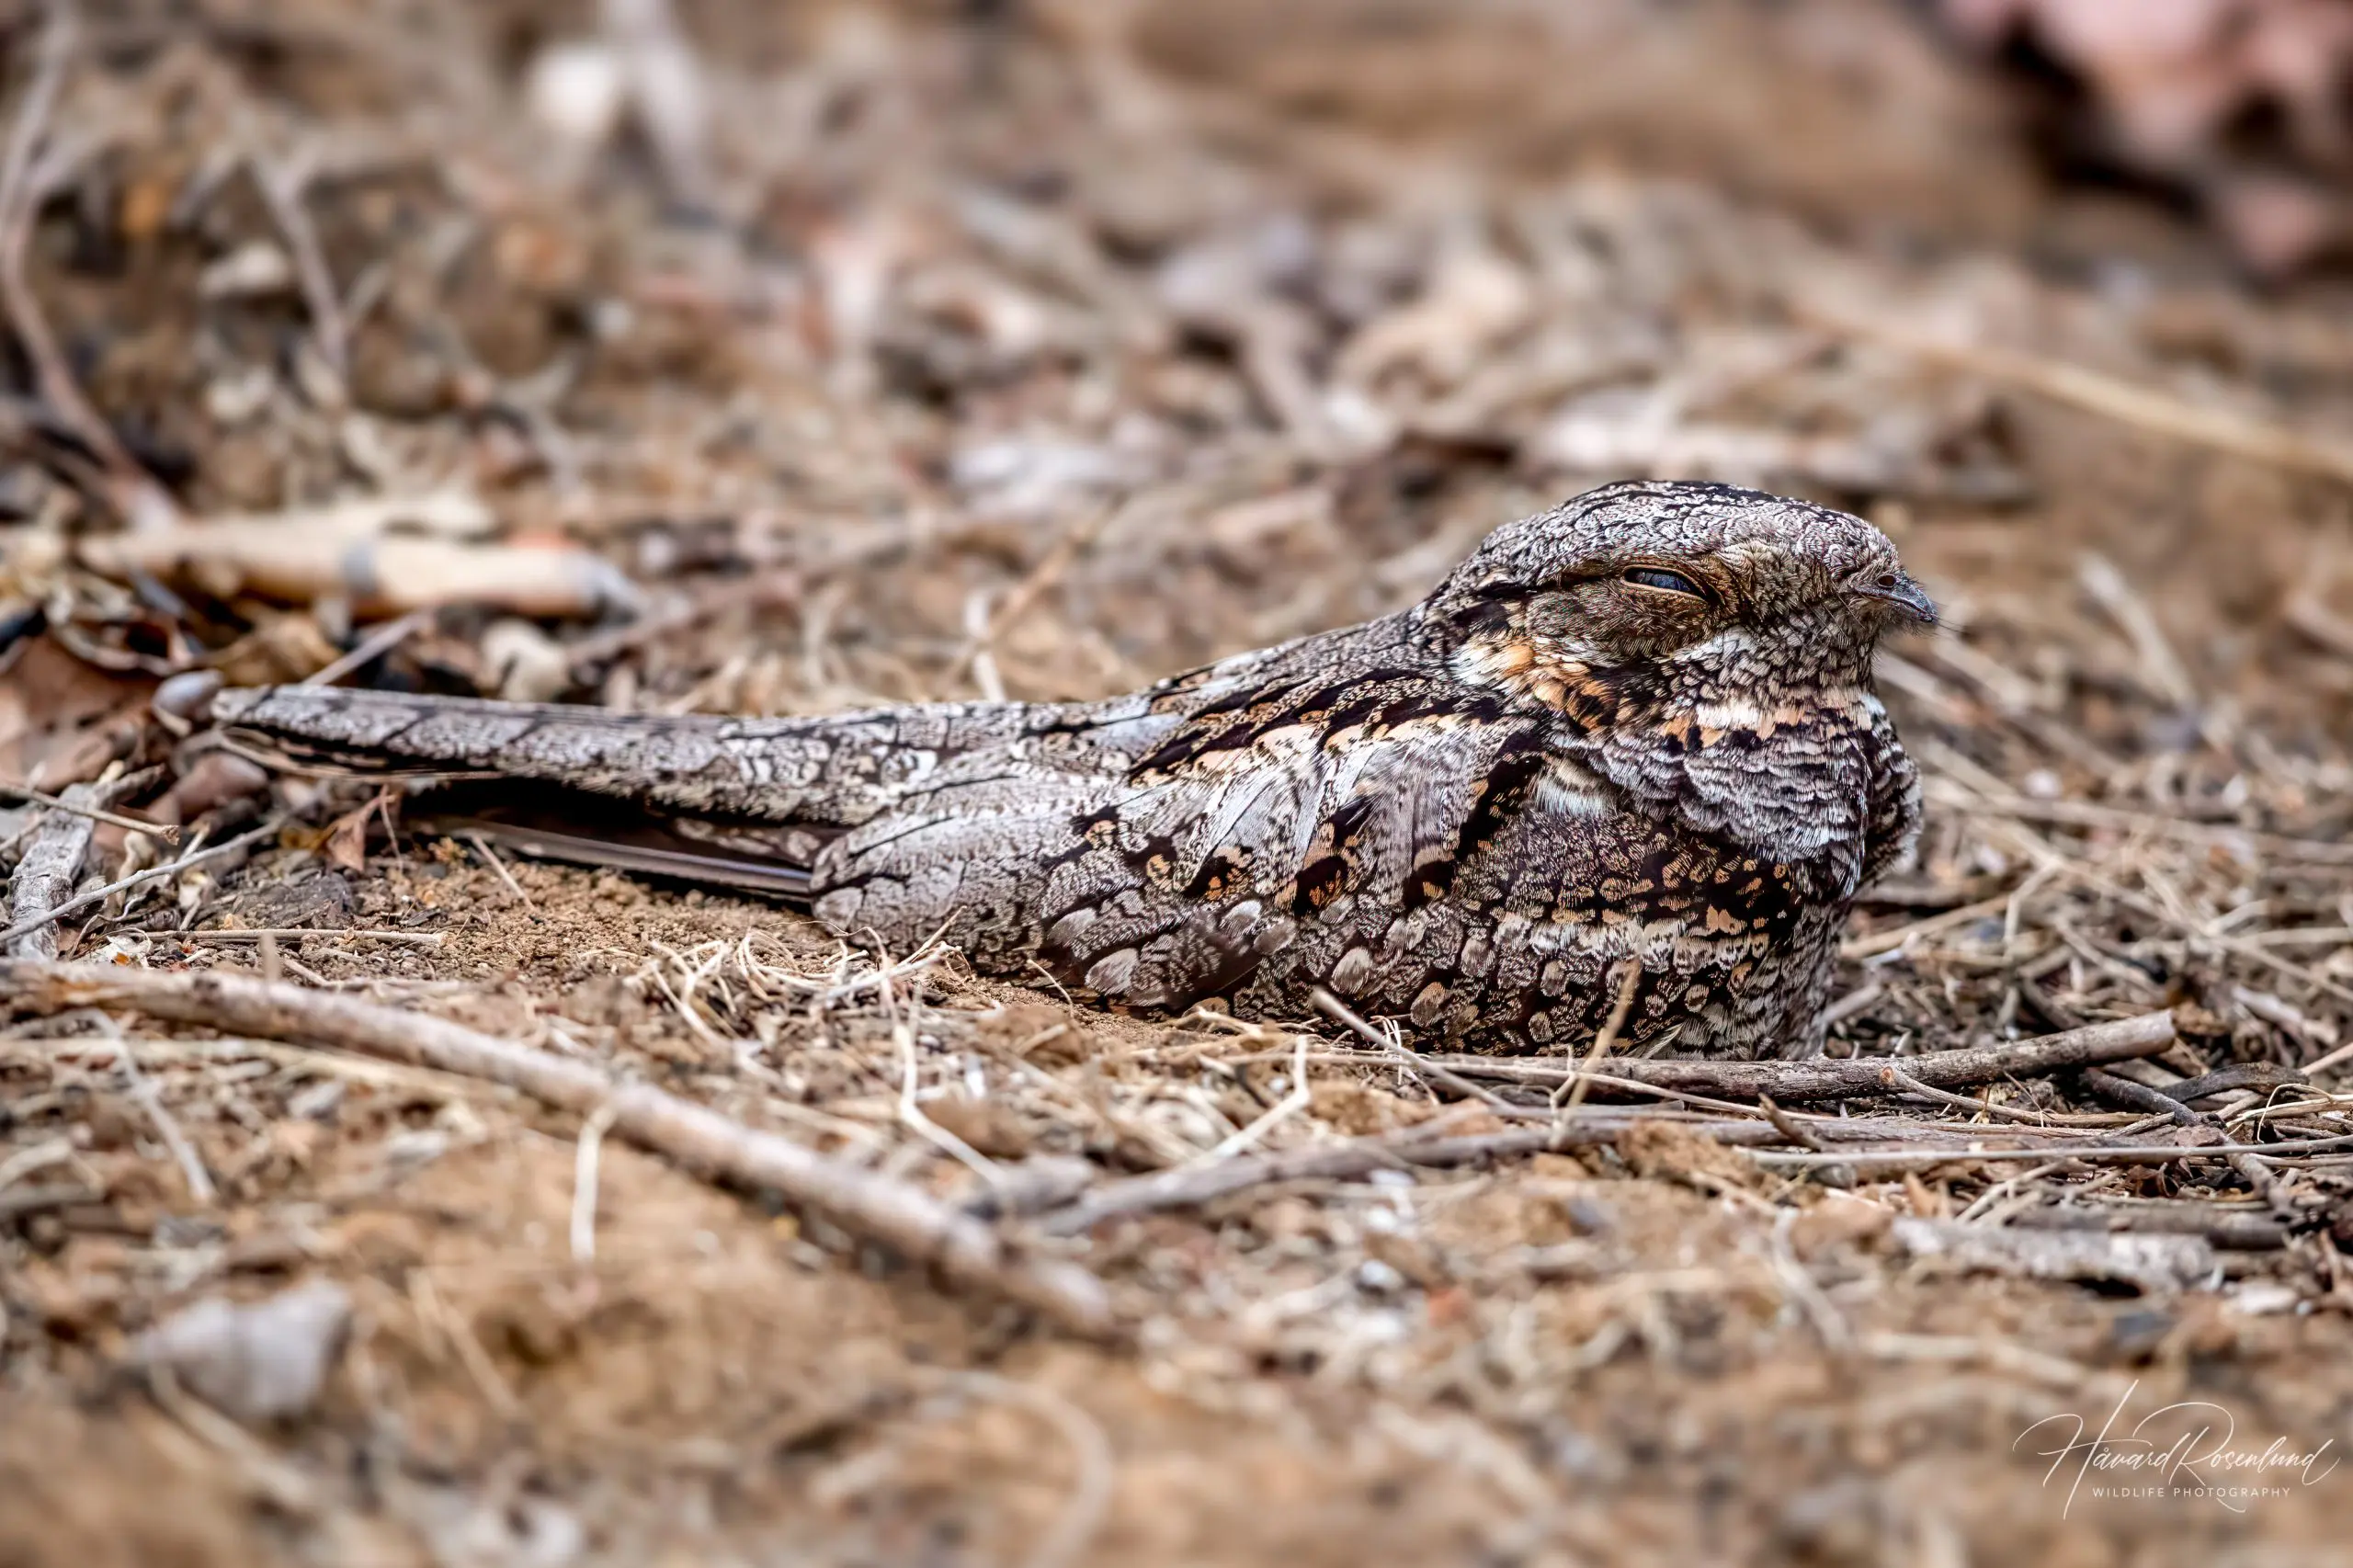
[(1899, 590)]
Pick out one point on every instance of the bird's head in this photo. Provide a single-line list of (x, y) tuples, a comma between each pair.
[(1638, 599)]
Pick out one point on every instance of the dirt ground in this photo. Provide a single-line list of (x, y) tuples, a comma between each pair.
[(835, 355)]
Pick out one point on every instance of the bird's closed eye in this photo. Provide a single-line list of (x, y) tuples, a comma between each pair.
[(1659, 577)]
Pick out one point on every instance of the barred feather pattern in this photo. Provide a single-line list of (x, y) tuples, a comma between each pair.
[(1466, 816)]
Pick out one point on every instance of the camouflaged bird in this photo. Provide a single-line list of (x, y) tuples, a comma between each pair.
[(1638, 727)]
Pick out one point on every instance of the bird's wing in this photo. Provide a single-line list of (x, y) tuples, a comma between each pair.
[(1894, 818), (1268, 806), (838, 769), (742, 803), (1797, 785)]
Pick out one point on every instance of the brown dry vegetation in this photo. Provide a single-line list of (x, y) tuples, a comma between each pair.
[(1050, 348)]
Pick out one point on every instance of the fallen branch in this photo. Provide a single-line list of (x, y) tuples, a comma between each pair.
[(1827, 1080), (866, 1204), (1342, 1159)]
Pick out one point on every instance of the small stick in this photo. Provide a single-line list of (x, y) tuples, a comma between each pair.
[(2117, 1154), (2087, 813), (483, 849), (2337, 1057), (282, 186), (1342, 1158), (460, 1336), (2277, 1190), (2133, 616), (1856, 1002), (862, 1202), (298, 933), (163, 831), (142, 1089), (1607, 1036), (2124, 1092), (583, 1183), (39, 1157), (2218, 429), (2308, 615), (1680, 1097), (1887, 941), (1291, 1104), (1793, 1129), (1027, 592), (778, 585), (2303, 935), (1910, 1085), (1830, 1079), (1999, 1190), (46, 875), (376, 645), (2238, 1231), (136, 879), (22, 1201), (911, 1111), (1389, 1045)]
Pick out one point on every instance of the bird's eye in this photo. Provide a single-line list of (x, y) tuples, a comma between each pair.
[(1659, 577)]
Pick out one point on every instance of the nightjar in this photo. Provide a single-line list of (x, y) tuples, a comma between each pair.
[(1635, 732)]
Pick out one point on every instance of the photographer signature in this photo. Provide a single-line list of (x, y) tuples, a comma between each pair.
[(2183, 1450)]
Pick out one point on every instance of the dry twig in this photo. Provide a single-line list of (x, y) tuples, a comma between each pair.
[(46, 875), (1414, 1060), (1827, 1080), (877, 1207), (283, 187), (2110, 1153), (1630, 977), (1027, 592), (376, 643), (1342, 1158), (40, 918), (165, 831), (2111, 397), (302, 933)]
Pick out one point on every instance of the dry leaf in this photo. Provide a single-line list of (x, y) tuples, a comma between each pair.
[(346, 844)]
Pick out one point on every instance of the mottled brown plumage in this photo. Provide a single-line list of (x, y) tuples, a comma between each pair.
[(1639, 727)]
